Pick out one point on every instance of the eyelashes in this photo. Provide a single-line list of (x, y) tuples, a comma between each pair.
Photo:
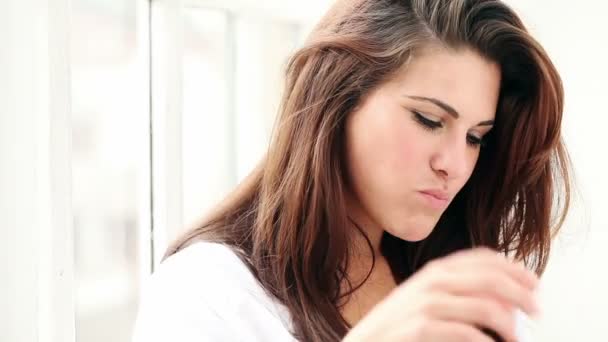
[(427, 123), (432, 126)]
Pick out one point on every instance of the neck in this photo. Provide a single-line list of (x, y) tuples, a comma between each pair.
[(364, 229)]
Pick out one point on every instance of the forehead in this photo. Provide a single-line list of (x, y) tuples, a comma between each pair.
[(462, 78)]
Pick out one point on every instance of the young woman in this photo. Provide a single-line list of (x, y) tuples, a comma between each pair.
[(410, 192)]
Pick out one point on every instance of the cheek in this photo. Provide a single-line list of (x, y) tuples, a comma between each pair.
[(411, 149), (388, 154), (388, 160)]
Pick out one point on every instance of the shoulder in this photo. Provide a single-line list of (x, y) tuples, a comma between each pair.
[(203, 265), (206, 288), (207, 274)]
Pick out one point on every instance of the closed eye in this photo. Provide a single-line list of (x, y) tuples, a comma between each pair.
[(432, 125), (475, 141), (425, 122)]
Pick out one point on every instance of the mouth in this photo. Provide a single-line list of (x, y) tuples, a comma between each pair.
[(435, 199)]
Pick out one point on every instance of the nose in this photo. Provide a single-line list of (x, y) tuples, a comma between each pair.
[(453, 159)]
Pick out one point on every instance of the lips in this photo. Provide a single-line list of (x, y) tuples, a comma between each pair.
[(438, 194), (436, 199)]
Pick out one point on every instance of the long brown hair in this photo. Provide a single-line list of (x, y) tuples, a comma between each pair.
[(288, 219)]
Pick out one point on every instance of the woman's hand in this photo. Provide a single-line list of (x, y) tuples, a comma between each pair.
[(452, 299)]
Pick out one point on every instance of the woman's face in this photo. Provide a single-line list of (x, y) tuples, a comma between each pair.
[(413, 143)]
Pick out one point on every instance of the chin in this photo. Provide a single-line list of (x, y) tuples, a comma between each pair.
[(416, 236), (413, 231)]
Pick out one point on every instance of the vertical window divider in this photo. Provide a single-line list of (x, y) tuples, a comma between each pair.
[(231, 74), (166, 122)]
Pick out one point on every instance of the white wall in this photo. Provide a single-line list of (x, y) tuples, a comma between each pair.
[(573, 293)]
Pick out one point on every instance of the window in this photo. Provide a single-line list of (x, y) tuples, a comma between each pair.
[(173, 103), (216, 83), (232, 68)]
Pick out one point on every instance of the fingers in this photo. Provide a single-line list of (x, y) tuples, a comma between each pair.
[(495, 285), (442, 331), (487, 258), (482, 273), (475, 312)]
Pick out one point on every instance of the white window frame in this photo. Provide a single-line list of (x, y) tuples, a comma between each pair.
[(145, 219), (36, 222), (166, 120)]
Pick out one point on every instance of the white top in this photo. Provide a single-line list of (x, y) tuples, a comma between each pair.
[(206, 293)]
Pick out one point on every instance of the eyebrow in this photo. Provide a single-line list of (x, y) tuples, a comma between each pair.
[(446, 107)]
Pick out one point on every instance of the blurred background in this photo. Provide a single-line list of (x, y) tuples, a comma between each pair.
[(170, 104)]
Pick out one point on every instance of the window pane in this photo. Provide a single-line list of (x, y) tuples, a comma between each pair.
[(207, 133), (263, 47), (109, 135), (232, 82)]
